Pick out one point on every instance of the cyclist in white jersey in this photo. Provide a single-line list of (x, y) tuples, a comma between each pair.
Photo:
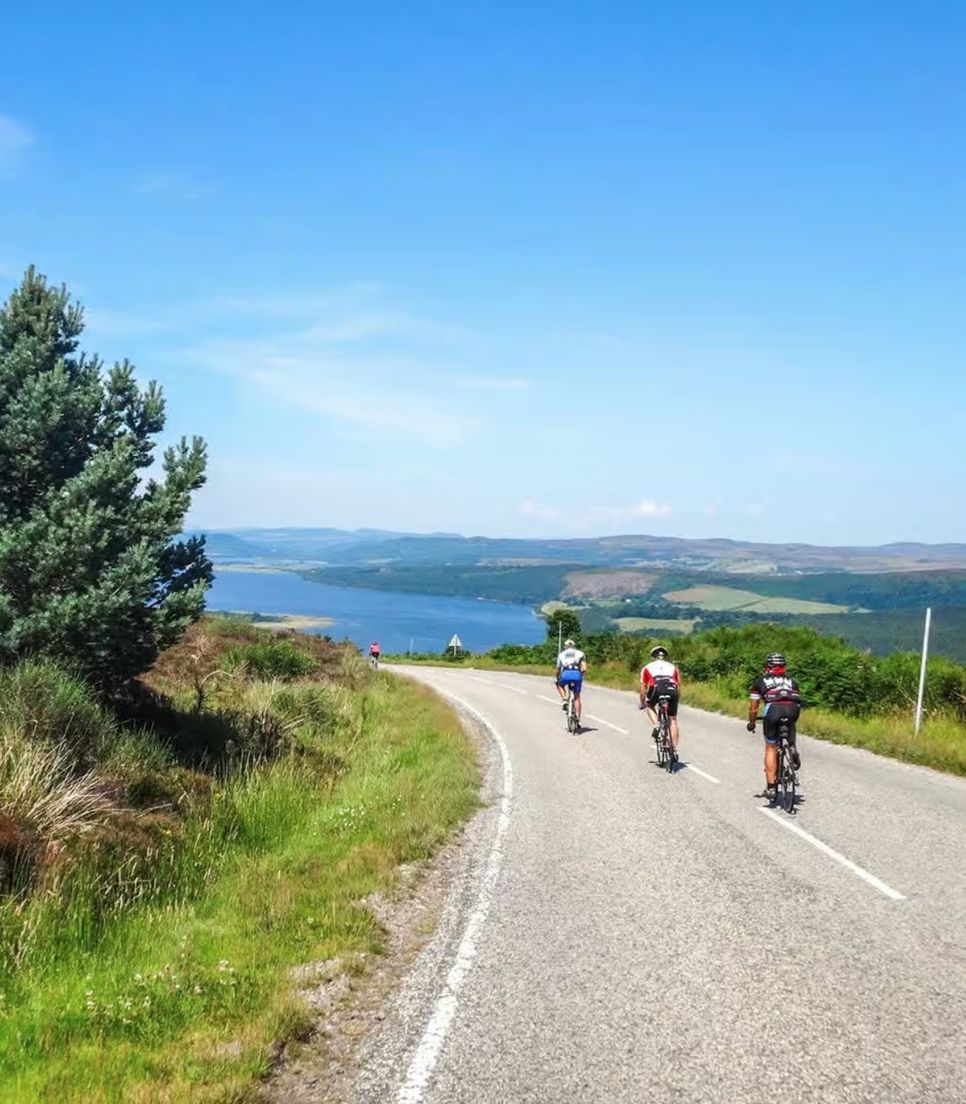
[(571, 667)]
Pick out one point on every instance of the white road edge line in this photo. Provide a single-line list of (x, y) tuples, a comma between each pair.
[(704, 774), (600, 720), (512, 689), (553, 701), (881, 886), (486, 682), (424, 1059)]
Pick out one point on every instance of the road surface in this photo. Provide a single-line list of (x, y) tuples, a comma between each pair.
[(623, 935)]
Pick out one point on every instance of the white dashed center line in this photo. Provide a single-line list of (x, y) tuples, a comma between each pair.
[(600, 720), (887, 890)]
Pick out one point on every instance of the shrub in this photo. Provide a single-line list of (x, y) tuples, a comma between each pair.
[(269, 659)]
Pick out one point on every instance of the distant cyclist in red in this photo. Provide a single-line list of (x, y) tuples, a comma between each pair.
[(374, 651), (658, 678)]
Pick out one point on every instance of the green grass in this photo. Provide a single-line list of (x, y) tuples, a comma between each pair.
[(174, 991)]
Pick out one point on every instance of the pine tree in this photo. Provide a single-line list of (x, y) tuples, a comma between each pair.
[(92, 572)]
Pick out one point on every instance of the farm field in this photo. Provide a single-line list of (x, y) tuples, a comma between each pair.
[(713, 597), (682, 625)]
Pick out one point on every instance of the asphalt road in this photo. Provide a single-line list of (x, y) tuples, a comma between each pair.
[(618, 934)]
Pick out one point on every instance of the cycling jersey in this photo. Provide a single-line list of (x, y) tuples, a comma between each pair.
[(660, 673), (570, 659), (775, 688), (660, 678), (782, 700)]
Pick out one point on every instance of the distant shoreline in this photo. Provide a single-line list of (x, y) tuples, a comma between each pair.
[(279, 621)]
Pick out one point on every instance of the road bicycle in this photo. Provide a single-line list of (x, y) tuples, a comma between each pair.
[(573, 721), (787, 777), (667, 756)]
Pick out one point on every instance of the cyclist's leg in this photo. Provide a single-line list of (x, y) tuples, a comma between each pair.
[(651, 712), (561, 690), (672, 712), (794, 757), (578, 686), (771, 750)]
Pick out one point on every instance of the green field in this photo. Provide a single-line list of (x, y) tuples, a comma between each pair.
[(713, 597), (658, 624)]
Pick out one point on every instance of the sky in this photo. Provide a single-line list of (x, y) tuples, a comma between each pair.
[(532, 269)]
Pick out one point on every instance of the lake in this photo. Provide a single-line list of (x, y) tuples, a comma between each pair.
[(395, 620)]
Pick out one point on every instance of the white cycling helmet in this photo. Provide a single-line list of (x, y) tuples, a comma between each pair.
[(569, 644)]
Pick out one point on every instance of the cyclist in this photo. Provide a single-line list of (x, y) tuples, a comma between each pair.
[(571, 668), (782, 699), (660, 677), (374, 652)]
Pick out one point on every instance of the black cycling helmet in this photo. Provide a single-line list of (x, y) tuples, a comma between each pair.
[(776, 659), (660, 650)]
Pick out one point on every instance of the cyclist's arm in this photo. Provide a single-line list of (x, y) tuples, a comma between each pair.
[(754, 702)]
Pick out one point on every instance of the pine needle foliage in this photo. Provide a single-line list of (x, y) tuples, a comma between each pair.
[(92, 572)]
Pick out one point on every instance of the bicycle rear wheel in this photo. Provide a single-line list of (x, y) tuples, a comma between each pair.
[(670, 756), (787, 782)]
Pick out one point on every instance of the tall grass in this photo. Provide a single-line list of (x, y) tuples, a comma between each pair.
[(149, 955)]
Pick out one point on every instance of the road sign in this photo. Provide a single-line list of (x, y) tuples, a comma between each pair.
[(456, 644)]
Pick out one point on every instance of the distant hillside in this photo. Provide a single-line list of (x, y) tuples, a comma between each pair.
[(371, 547)]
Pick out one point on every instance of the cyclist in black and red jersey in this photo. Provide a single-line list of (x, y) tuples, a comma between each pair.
[(661, 677), (783, 701)]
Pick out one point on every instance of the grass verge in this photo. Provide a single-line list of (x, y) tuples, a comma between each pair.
[(185, 992)]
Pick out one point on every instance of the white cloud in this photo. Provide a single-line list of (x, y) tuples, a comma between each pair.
[(15, 140), (176, 183)]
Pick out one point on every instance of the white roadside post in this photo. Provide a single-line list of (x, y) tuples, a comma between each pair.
[(922, 669)]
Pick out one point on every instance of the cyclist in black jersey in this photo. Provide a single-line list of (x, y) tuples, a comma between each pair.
[(783, 701)]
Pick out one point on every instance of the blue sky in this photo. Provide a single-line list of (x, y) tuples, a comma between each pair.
[(569, 268)]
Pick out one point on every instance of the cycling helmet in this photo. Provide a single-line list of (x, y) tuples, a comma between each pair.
[(569, 644), (776, 659), (659, 651)]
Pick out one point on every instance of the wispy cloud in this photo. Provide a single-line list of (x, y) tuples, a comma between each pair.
[(594, 516), (492, 383), (371, 370), (175, 183), (339, 390), (636, 511), (15, 140), (539, 511)]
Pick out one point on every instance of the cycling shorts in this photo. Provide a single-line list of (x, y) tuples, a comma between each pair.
[(776, 712), (670, 692), (571, 677)]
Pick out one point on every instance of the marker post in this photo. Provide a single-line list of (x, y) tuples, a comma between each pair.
[(922, 669)]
